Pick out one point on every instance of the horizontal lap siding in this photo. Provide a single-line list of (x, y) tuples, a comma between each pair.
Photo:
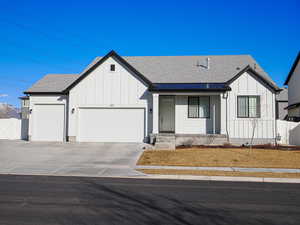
[(243, 127), (103, 88)]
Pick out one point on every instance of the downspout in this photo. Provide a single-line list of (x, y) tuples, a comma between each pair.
[(227, 133), (274, 113)]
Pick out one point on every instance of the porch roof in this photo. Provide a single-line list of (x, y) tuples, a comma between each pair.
[(190, 87)]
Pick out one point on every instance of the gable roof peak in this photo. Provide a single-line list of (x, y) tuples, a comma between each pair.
[(292, 69)]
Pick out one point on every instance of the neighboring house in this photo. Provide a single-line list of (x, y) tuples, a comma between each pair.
[(293, 82), (281, 104), (130, 99)]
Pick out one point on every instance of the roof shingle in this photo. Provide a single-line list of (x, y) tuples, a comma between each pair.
[(167, 69), (52, 83)]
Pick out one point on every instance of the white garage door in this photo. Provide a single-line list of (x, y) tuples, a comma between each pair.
[(48, 124), (111, 125)]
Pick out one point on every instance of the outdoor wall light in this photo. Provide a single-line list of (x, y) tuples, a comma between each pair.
[(225, 95), (72, 110), (150, 110), (30, 111)]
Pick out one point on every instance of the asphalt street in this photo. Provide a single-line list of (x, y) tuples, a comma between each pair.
[(41, 200)]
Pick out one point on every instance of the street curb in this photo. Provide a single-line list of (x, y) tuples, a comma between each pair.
[(220, 178), (231, 169), (175, 177)]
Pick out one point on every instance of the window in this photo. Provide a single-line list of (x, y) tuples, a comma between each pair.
[(112, 67), (248, 106), (198, 106)]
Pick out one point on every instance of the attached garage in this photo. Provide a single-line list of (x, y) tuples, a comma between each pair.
[(49, 122), (111, 125)]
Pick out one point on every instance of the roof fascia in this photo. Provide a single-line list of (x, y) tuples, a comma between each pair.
[(292, 69)]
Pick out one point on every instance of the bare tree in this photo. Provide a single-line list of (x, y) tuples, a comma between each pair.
[(254, 122)]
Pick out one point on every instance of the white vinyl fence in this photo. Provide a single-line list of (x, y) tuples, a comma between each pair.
[(289, 132), (13, 128)]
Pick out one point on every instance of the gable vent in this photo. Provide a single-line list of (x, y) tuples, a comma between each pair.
[(205, 65)]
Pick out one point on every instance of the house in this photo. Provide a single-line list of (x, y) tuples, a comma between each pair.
[(134, 99), (293, 82), (281, 104)]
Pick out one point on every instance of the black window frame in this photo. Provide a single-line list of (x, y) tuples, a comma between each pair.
[(248, 114), (112, 67), (198, 116)]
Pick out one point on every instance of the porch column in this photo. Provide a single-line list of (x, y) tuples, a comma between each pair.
[(155, 111), (223, 114)]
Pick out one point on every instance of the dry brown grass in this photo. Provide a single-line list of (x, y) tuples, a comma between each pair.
[(219, 173), (257, 158)]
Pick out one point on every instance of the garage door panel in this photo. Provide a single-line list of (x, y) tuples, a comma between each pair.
[(111, 125), (48, 122)]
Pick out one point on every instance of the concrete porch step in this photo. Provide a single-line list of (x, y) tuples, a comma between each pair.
[(165, 138)]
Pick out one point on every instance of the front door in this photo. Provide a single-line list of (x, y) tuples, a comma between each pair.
[(167, 114)]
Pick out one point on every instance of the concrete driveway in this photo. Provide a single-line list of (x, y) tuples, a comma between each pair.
[(69, 159)]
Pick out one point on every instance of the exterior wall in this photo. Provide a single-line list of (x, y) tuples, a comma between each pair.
[(294, 84), (185, 125), (242, 128), (43, 99), (208, 139), (104, 88), (281, 112)]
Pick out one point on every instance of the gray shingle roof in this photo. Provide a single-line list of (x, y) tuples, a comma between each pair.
[(283, 95), (167, 69), (53, 83), (191, 69)]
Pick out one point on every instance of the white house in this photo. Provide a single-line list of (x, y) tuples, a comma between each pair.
[(130, 99), (293, 82)]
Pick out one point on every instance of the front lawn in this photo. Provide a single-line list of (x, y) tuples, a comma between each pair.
[(222, 157)]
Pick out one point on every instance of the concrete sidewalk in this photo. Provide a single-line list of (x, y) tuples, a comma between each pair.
[(230, 169), (219, 178)]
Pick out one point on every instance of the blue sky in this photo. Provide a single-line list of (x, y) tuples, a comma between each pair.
[(40, 37)]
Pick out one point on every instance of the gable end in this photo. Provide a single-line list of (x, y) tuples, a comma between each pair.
[(256, 75), (292, 69), (103, 59)]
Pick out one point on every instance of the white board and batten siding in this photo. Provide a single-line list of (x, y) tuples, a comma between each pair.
[(47, 120), (243, 127), (185, 125), (114, 101)]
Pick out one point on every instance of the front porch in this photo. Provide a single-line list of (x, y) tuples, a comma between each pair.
[(189, 113), (188, 119)]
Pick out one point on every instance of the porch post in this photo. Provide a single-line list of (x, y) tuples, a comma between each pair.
[(155, 112), (223, 114)]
